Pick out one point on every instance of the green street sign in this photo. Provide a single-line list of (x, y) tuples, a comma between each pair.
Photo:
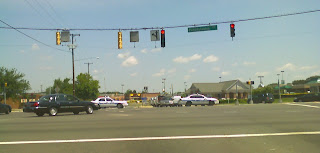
[(204, 28)]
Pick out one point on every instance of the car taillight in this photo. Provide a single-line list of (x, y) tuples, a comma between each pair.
[(36, 104)]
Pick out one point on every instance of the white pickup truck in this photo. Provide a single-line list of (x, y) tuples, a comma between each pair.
[(104, 102), (198, 99)]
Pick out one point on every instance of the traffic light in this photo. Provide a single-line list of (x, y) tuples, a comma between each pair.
[(163, 39), (119, 40), (250, 82), (5, 84), (232, 30), (58, 38)]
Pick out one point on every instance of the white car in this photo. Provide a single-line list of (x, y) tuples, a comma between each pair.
[(104, 102), (198, 99)]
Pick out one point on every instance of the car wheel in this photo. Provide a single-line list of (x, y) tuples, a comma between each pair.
[(7, 111), (119, 106), (53, 111), (211, 103), (89, 109), (76, 112), (40, 113), (188, 104)]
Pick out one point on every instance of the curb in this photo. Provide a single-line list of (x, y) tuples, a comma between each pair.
[(16, 110)]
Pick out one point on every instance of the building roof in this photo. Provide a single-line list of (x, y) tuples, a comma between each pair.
[(226, 86)]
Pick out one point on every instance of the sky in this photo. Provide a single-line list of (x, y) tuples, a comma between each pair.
[(260, 47)]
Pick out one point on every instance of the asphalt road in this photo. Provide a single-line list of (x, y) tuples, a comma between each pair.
[(265, 128)]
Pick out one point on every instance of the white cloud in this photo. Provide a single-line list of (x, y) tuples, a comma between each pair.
[(35, 47), (46, 58), (195, 57), (133, 74), (187, 77), (192, 70), (161, 73), (95, 71), (262, 73), (130, 61), (288, 66), (225, 73), (123, 55), (145, 51), (182, 59), (249, 63), (308, 67), (46, 68), (210, 59), (171, 71), (156, 50), (216, 69)]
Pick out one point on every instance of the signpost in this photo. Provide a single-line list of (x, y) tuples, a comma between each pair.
[(203, 28)]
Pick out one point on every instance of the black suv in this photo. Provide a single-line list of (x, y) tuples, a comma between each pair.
[(52, 104), (262, 98), (4, 108)]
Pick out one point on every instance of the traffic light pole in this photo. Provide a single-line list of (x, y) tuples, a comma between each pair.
[(72, 48)]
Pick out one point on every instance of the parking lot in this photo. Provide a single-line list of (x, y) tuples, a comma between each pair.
[(285, 127)]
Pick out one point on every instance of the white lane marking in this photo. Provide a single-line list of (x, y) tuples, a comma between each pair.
[(160, 138), (303, 105)]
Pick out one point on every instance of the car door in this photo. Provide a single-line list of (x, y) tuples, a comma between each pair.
[(202, 100), (110, 102), (103, 102), (74, 103), (62, 102)]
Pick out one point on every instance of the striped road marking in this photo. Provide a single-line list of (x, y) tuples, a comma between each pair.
[(160, 138), (303, 105)]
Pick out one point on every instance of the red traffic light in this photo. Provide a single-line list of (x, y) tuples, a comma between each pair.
[(232, 25), (162, 31)]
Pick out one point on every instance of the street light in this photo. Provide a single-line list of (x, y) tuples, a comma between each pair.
[(164, 84), (185, 86), (282, 81), (87, 58), (280, 100)]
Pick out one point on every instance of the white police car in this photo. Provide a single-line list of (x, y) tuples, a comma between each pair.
[(104, 102), (198, 99)]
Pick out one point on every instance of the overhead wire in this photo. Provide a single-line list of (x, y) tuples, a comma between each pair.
[(32, 37), (165, 27)]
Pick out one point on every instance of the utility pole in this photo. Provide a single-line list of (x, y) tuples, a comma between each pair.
[(72, 46), (164, 84), (280, 100), (185, 86), (237, 101), (88, 66), (261, 83), (282, 81), (122, 87)]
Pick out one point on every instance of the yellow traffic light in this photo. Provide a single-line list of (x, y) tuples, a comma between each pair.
[(58, 38), (119, 40), (5, 84)]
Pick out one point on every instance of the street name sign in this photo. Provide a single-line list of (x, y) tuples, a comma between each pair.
[(203, 28)]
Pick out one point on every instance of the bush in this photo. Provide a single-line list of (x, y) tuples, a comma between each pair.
[(233, 101)]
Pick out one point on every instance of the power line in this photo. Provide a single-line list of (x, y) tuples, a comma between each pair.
[(166, 27), (32, 37)]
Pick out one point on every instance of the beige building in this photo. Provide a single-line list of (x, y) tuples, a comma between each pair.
[(227, 89)]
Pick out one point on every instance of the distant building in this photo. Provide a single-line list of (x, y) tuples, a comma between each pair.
[(221, 90)]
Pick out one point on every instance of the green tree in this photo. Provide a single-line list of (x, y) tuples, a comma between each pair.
[(87, 88), (16, 84), (267, 89), (297, 82), (62, 86)]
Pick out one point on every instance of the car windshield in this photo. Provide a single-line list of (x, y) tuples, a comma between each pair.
[(160, 76)]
